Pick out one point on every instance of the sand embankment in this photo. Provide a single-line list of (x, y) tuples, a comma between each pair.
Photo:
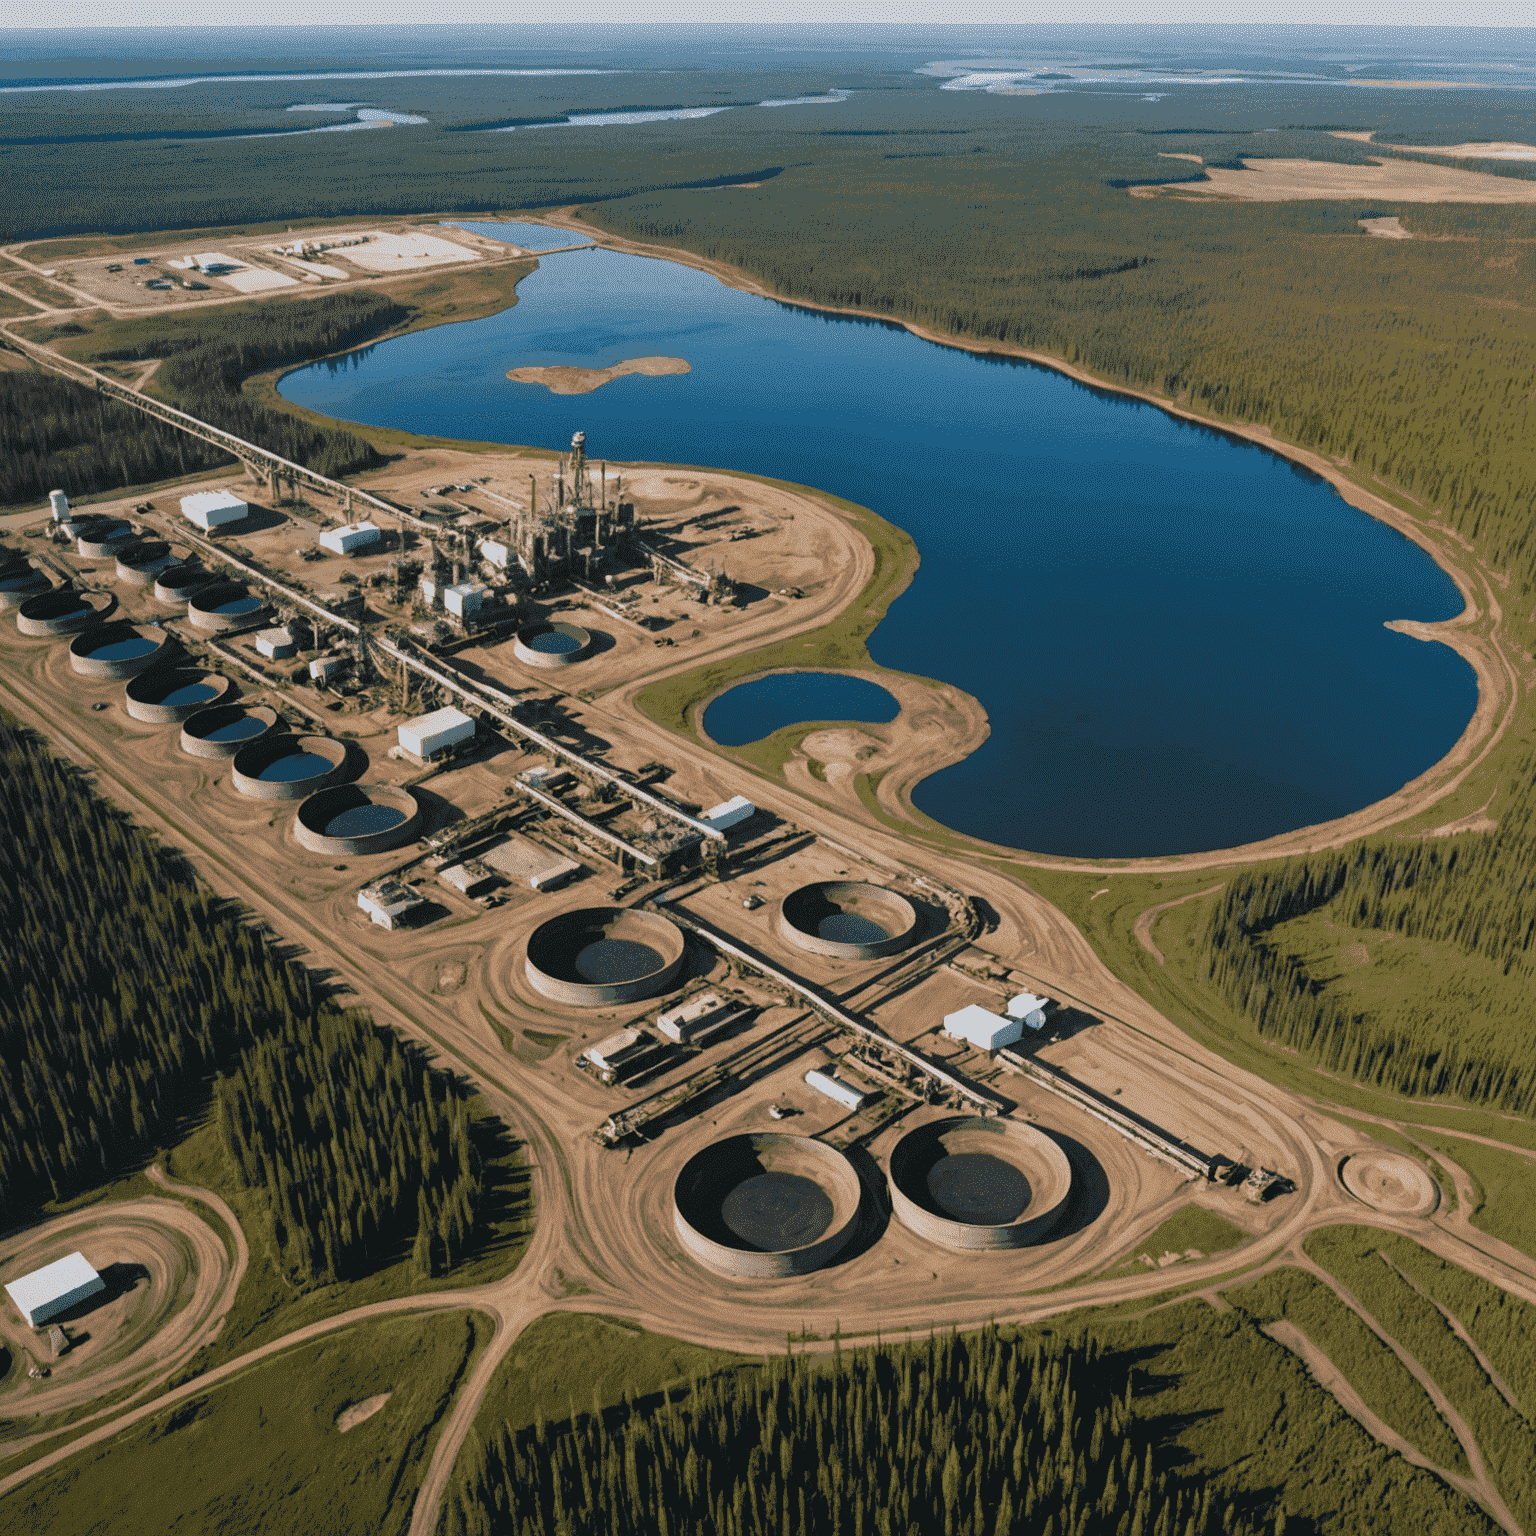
[(582, 381)]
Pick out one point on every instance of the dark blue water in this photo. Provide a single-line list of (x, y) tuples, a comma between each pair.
[(1178, 637), (532, 237), (188, 693), (364, 818), (124, 650), (295, 766), (553, 643), (753, 710), (238, 605), (238, 730)]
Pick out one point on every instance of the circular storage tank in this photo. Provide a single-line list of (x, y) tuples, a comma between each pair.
[(551, 645), (140, 563), (224, 605), (600, 955), (176, 583), (169, 695), (287, 767), (118, 649), (104, 537), (847, 920), (765, 1205), (967, 1183), (60, 612), (18, 582), (224, 729), (357, 818)]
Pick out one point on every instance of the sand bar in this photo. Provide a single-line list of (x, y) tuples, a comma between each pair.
[(582, 381), (1398, 181)]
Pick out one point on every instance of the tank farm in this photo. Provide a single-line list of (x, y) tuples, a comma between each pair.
[(796, 1067)]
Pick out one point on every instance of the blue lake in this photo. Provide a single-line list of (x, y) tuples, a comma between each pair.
[(1177, 636), (757, 709)]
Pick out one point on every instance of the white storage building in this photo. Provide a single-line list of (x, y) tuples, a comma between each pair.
[(350, 539), (844, 1093), (276, 643), (986, 1031), (430, 734), (466, 598), (553, 876), (54, 1288), (388, 901), (680, 1023), (212, 509), (729, 813), (324, 668)]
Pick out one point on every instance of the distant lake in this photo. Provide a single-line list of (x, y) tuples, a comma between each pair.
[(1177, 636), (753, 710)]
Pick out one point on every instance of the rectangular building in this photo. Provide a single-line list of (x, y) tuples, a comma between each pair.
[(471, 878), (429, 735), (465, 599), (276, 643), (54, 1288), (388, 902), (212, 509), (834, 1088), (986, 1031), (681, 1024), (730, 813), (621, 1052), (353, 537)]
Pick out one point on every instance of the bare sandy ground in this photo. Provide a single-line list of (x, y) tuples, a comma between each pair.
[(582, 381), (1499, 149), (1399, 181), (1389, 227), (359, 1413)]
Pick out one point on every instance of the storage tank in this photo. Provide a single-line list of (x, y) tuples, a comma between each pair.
[(169, 695), (847, 920), (61, 612), (287, 767), (176, 584), (551, 645), (224, 605), (58, 505), (595, 956), (357, 819), (19, 581), (223, 729), (118, 649), (143, 560)]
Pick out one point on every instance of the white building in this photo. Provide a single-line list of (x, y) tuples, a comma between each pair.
[(729, 813), (323, 668), (388, 901), (553, 876), (54, 1288), (58, 505), (212, 509), (1029, 1010), (465, 599), (986, 1031), (430, 734), (680, 1023), (499, 554), (350, 539), (844, 1093), (276, 643), (620, 1050)]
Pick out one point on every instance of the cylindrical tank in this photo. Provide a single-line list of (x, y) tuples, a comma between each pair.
[(596, 956), (287, 767), (222, 730), (118, 649), (55, 613), (169, 695), (58, 504), (551, 645), (18, 582), (103, 537), (357, 819), (176, 584), (143, 560), (224, 605)]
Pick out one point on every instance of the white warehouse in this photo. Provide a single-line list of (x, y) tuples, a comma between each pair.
[(729, 813), (986, 1031), (54, 1288), (834, 1088), (350, 539), (212, 509), (425, 737)]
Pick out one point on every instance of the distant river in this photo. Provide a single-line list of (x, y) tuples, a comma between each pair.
[(1178, 637)]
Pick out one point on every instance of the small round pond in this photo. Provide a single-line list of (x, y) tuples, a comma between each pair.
[(751, 711)]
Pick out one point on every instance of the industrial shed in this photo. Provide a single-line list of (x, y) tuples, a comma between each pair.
[(430, 734), (54, 1288), (734, 812), (351, 538), (986, 1031), (212, 509)]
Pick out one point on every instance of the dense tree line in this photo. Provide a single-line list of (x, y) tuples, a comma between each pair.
[(1476, 891), (208, 356), (56, 433), (978, 1435), (125, 986), (358, 1142)]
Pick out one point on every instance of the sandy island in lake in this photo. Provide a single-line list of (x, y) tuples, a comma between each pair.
[(582, 381)]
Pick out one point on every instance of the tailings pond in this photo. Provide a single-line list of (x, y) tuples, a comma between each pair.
[(1177, 636)]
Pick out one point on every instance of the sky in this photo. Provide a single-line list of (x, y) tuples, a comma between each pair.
[(375, 13)]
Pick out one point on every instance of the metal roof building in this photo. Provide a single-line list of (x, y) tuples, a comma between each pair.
[(834, 1088), (986, 1031), (729, 813), (430, 734), (54, 1288), (354, 536), (209, 509)]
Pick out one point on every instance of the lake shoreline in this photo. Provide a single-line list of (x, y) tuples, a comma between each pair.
[(1472, 634)]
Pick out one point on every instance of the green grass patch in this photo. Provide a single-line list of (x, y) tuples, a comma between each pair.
[(39, 288), (1385, 1384), (1194, 1227), (1503, 1183), (262, 1454), (574, 1361)]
